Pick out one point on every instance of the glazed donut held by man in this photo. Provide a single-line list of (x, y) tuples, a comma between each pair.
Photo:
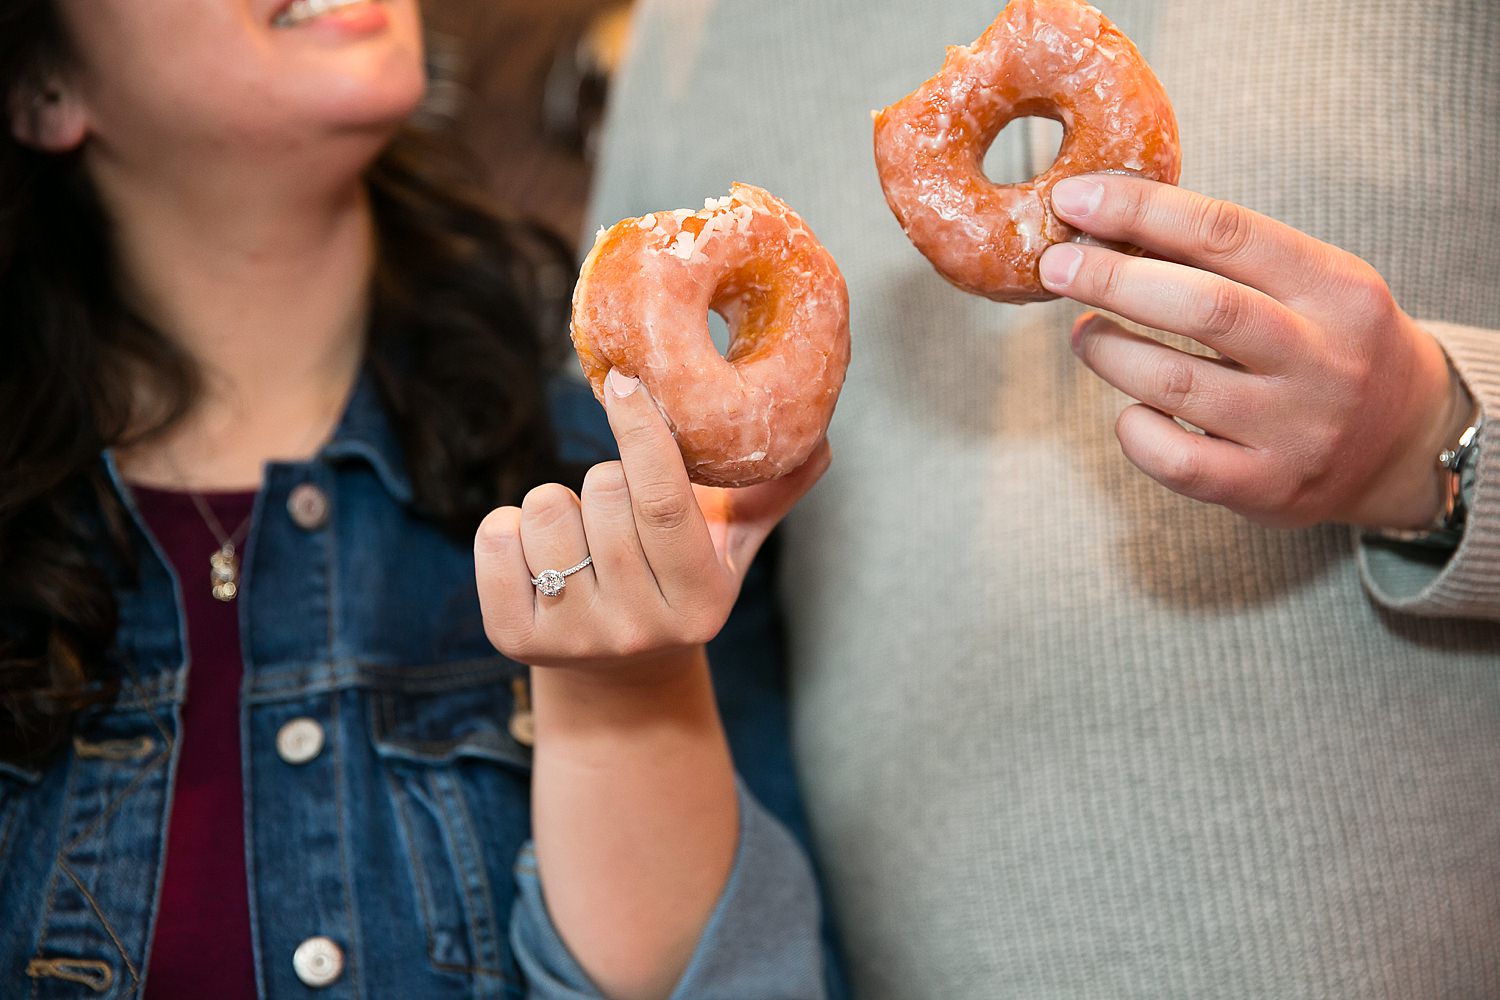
[(1059, 59)]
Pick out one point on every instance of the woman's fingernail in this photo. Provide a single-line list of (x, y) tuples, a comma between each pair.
[(1060, 264), (620, 384), (1077, 196)]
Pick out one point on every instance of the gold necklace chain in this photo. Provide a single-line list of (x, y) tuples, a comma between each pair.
[(224, 564)]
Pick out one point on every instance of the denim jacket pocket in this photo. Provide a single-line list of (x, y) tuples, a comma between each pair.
[(459, 787)]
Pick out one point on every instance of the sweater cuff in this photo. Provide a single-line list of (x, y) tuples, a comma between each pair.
[(1466, 582), (761, 941)]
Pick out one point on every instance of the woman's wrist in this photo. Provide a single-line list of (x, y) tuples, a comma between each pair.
[(669, 693), (635, 814)]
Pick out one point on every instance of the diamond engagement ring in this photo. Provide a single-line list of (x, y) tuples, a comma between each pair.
[(552, 581)]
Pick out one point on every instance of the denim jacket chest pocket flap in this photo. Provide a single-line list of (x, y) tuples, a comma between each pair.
[(470, 717)]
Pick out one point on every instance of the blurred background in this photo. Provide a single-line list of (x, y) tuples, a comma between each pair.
[(524, 82)]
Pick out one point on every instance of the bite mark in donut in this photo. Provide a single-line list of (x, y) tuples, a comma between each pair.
[(641, 305), (1059, 59)]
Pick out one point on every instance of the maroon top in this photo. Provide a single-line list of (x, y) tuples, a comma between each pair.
[(201, 946)]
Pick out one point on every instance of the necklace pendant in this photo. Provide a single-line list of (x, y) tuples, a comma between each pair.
[(224, 574)]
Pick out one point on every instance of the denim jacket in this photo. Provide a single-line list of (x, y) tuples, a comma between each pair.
[(397, 857)]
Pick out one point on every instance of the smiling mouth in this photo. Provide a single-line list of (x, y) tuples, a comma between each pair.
[(300, 11)]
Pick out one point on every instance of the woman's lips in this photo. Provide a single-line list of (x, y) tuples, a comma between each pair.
[(348, 16)]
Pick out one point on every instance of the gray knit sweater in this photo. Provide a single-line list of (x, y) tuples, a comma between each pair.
[(1065, 734)]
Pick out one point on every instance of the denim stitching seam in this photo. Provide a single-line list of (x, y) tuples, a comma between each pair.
[(109, 929), (338, 795), (484, 915), (114, 805), (418, 869)]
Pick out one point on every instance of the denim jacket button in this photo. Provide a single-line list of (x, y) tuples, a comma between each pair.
[(299, 740), (318, 961), (308, 506)]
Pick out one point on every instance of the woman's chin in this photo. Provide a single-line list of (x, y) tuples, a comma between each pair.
[(387, 109), (364, 88)]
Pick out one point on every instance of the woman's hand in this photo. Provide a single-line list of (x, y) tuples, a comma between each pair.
[(1327, 402), (634, 804), (669, 557)]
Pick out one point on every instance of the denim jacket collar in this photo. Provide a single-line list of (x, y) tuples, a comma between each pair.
[(365, 432)]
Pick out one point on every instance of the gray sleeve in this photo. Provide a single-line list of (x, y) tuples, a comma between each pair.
[(761, 942), (1466, 582)]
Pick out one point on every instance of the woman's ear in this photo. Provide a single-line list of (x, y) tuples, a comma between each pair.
[(48, 117)]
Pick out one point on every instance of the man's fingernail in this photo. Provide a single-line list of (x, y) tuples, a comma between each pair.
[(620, 384), (1077, 196), (1080, 328), (1060, 264)]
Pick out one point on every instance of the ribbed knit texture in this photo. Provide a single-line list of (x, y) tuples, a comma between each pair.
[(1066, 735)]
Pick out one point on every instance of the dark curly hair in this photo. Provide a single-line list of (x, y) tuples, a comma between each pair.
[(464, 304)]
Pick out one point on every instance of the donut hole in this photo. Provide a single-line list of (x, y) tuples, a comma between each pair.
[(719, 332), (746, 310), (1024, 148)]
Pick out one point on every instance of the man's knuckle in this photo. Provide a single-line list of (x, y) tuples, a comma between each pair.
[(1109, 277), (1287, 493), (1370, 297), (1224, 228), (1353, 375), (1224, 309), (1181, 468), (1266, 486), (1176, 383), (1323, 444), (1134, 206)]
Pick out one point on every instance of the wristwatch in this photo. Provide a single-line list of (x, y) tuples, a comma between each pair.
[(1460, 465)]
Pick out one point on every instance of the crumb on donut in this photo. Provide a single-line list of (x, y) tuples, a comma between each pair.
[(682, 246), (728, 214)]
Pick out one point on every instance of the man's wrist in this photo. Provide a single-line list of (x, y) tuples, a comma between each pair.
[(1452, 469)]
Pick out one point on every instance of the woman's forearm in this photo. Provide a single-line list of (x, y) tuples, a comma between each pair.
[(635, 816), (636, 809)]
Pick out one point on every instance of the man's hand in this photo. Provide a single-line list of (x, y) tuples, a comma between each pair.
[(1326, 402)]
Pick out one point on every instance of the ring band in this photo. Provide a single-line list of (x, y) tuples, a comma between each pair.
[(550, 582)]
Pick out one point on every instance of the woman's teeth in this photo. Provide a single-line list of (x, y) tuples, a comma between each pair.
[(306, 10)]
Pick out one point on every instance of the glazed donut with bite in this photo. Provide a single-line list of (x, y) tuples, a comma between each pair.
[(641, 306)]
